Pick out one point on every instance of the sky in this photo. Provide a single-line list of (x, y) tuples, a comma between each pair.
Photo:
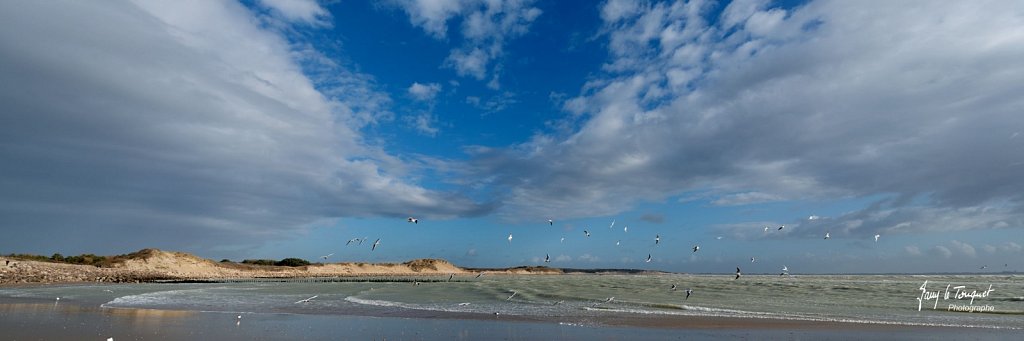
[(285, 128)]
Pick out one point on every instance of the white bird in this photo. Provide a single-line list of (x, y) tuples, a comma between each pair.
[(510, 238), (586, 233), (696, 248), (511, 296), (464, 304), (375, 243), (613, 224), (688, 292), (737, 273), (617, 242), (673, 288), (657, 239), (648, 258), (876, 237), (719, 237), (784, 268), (479, 274), (325, 257), (352, 240), (547, 258), (766, 229), (306, 300), (827, 236), (551, 222), (562, 241), (609, 299), (752, 259), (413, 220)]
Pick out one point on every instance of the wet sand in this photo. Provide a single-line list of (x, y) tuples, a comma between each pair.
[(34, 319)]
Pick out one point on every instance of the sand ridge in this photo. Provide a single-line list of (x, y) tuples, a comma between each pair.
[(152, 264)]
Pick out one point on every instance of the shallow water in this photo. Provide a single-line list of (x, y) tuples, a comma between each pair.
[(583, 299)]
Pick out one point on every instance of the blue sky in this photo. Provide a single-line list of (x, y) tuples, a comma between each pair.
[(272, 129)]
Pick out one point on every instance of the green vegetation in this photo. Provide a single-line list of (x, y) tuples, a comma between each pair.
[(293, 262), (83, 259)]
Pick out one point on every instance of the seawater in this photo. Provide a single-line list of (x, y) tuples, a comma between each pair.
[(584, 299)]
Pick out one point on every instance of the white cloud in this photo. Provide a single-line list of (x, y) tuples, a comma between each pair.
[(424, 92), (586, 257), (179, 133), (563, 258), (305, 11), (486, 25), (827, 100), (964, 248), (912, 250), (941, 251), (424, 123), (745, 199)]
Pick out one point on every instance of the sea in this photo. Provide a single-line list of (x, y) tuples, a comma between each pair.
[(971, 302)]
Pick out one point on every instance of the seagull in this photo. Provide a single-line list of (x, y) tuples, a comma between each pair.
[(752, 259), (617, 242), (547, 258), (781, 226), (784, 268), (511, 296), (766, 229), (450, 277), (586, 233), (982, 268), (306, 300), (562, 241), (464, 304), (352, 240), (362, 240), (648, 258), (657, 239), (688, 292), (876, 237), (625, 229), (375, 243), (673, 287), (479, 274), (613, 224), (551, 222), (325, 257), (827, 236), (413, 220), (558, 302), (737, 273), (609, 299), (696, 248), (510, 238), (719, 237)]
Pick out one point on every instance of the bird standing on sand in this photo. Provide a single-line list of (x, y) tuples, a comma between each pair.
[(738, 274), (375, 243)]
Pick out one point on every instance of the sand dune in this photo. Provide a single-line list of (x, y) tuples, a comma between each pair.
[(152, 264)]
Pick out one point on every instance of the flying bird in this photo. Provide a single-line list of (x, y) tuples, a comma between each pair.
[(827, 236), (625, 229), (738, 274), (781, 226), (752, 259), (510, 238), (688, 292), (657, 239), (876, 237), (547, 258), (696, 248), (673, 287), (766, 229), (586, 233), (648, 258), (613, 224), (325, 257), (551, 222), (617, 242), (719, 237), (375, 243), (511, 296), (784, 268), (562, 241), (413, 220)]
